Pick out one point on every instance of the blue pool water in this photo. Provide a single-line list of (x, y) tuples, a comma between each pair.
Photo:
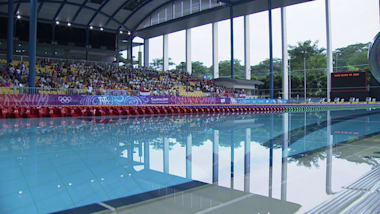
[(49, 165)]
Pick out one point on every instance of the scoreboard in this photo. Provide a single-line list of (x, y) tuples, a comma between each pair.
[(349, 81)]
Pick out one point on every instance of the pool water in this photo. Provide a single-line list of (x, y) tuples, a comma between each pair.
[(301, 159)]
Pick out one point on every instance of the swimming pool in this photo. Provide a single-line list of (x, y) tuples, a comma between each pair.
[(289, 162)]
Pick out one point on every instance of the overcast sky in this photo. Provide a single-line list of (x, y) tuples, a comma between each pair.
[(353, 21)]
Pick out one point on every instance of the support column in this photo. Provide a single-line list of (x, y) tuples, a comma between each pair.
[(146, 53), (247, 160), (247, 48), (165, 54), (131, 50), (11, 20), (146, 155), (188, 51), (284, 160), (271, 83), (215, 158), (232, 41), (87, 42), (215, 50), (166, 155), (189, 156), (32, 44), (329, 47), (285, 55)]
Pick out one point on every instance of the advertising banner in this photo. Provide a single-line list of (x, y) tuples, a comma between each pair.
[(46, 100)]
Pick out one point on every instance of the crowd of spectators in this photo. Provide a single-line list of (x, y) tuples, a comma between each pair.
[(100, 78)]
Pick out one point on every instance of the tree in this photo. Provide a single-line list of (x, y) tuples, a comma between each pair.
[(157, 64), (262, 69), (225, 69), (200, 70), (352, 57)]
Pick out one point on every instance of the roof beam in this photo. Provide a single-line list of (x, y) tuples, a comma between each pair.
[(79, 9), (59, 10), (40, 6), (117, 11), (83, 5), (135, 10), (97, 11)]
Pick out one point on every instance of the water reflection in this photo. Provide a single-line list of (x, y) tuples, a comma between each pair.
[(300, 158)]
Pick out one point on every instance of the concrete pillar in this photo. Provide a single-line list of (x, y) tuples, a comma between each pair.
[(215, 158), (232, 42), (271, 80), (215, 50), (146, 155), (284, 160), (32, 44), (11, 20), (247, 48), (247, 160), (189, 156), (188, 51), (166, 155), (329, 47), (165, 52), (146, 52), (285, 56)]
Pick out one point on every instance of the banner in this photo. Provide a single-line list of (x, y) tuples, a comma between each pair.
[(47, 100)]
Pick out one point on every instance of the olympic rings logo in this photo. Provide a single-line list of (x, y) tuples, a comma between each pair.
[(64, 99)]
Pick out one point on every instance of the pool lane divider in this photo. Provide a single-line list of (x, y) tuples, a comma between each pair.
[(79, 111)]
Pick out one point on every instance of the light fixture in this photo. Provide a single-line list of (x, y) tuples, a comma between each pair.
[(18, 16), (101, 29), (57, 22), (91, 27), (69, 24), (129, 33), (121, 32)]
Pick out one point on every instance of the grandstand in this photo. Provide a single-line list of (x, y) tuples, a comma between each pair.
[(83, 130)]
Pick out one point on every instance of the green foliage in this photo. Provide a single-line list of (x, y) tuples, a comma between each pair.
[(225, 69), (351, 58), (157, 64)]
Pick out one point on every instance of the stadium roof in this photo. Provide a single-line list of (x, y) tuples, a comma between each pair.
[(140, 16)]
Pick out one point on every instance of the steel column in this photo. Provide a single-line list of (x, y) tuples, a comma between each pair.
[(285, 55), (271, 83), (11, 20), (329, 47), (188, 51), (87, 42), (232, 42), (146, 53), (131, 50), (165, 52), (247, 48), (32, 44), (215, 50)]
